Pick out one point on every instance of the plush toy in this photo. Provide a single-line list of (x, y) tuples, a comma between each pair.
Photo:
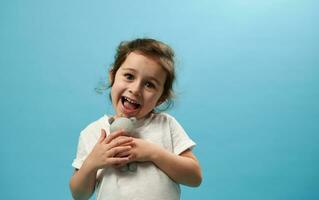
[(128, 125)]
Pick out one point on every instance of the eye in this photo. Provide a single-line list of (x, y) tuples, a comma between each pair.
[(150, 85), (128, 76)]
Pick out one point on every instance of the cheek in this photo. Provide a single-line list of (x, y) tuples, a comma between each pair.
[(159, 95), (117, 86), (115, 92), (154, 98), (112, 95)]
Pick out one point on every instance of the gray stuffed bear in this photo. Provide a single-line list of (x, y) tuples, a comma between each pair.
[(128, 125)]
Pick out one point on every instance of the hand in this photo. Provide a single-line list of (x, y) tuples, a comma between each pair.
[(107, 150), (143, 150)]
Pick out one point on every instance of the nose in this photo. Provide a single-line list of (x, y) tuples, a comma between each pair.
[(135, 87)]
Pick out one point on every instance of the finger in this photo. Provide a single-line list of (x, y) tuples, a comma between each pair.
[(118, 162), (102, 136), (123, 154), (126, 141), (117, 150), (114, 135)]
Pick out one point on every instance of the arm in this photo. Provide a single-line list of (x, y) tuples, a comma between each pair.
[(183, 168), (82, 183), (104, 154)]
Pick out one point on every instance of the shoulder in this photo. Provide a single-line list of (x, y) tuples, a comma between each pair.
[(162, 116), (179, 138), (165, 119), (94, 128), (99, 123)]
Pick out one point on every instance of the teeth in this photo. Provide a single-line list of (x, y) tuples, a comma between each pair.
[(130, 100)]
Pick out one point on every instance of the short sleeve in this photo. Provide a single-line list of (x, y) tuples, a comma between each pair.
[(87, 140), (180, 139), (81, 154)]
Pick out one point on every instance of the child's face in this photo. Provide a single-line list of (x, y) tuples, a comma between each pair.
[(138, 86)]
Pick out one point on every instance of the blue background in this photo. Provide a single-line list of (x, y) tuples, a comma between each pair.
[(247, 90)]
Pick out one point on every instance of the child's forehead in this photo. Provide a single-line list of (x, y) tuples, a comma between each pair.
[(142, 57), (135, 60)]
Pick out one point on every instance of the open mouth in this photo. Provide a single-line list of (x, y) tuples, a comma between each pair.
[(130, 104)]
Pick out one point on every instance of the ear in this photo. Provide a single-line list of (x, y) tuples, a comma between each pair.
[(161, 100)]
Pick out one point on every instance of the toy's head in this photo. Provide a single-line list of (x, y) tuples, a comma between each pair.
[(122, 123)]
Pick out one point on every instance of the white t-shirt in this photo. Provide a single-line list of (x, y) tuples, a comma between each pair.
[(148, 182)]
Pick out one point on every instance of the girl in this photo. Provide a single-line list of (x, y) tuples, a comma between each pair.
[(141, 79)]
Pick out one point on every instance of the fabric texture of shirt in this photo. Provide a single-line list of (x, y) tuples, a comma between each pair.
[(148, 181)]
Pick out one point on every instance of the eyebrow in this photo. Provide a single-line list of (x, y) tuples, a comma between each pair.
[(149, 77)]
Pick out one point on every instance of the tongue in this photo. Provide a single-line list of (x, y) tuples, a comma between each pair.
[(129, 105)]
